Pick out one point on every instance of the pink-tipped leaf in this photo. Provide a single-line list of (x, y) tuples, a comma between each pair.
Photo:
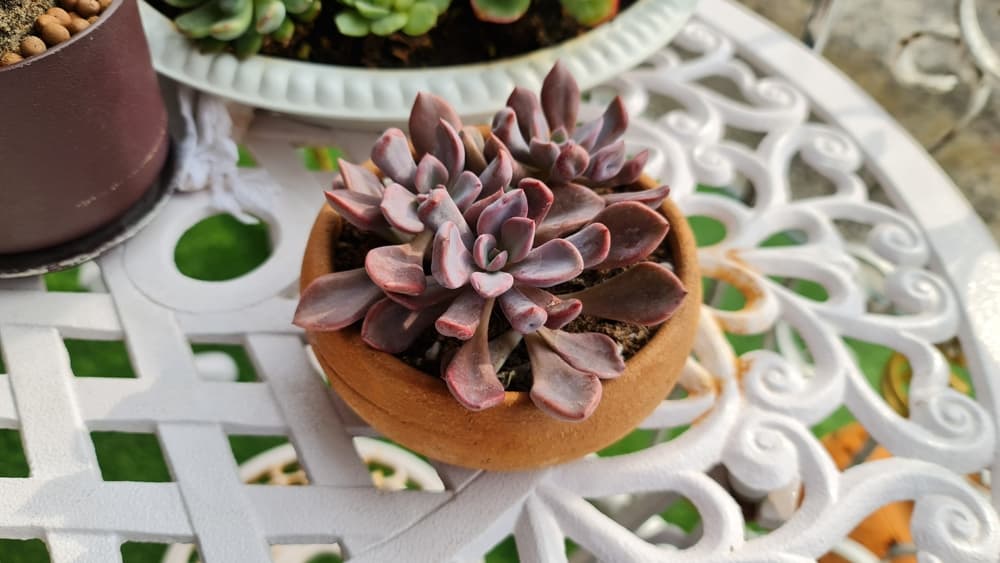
[(570, 164), (645, 294), (391, 153), (438, 208), (512, 204), (530, 119), (552, 263), (472, 214), (449, 149), (498, 174), (505, 130), (651, 198), (543, 153), (397, 269), (430, 174), (465, 190), (557, 388), (483, 248), (360, 210), (427, 111), (573, 206), (470, 374), (474, 144), (491, 284), (359, 179), (606, 163), (631, 171), (451, 262), (433, 294), (540, 198), (636, 231), (560, 98), (391, 327), (399, 207), (336, 300), (523, 314), (517, 235), (462, 317), (593, 242), (587, 351), (560, 312)]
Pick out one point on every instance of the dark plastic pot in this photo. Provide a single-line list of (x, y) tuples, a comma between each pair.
[(83, 133)]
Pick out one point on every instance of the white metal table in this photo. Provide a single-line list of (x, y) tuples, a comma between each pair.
[(931, 273)]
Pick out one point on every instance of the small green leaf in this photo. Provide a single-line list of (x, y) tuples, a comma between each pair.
[(285, 31), (352, 24), (440, 5), (248, 44), (389, 24), (371, 10), (590, 12), (402, 5), (423, 16), (500, 11)]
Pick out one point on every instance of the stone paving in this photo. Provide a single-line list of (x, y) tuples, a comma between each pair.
[(861, 42)]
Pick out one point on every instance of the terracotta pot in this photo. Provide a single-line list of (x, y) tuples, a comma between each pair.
[(417, 410), (84, 133)]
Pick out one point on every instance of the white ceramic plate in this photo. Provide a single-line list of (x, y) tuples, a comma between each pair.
[(366, 99)]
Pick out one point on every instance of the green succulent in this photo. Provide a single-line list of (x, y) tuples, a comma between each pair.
[(586, 12), (242, 25), (385, 17)]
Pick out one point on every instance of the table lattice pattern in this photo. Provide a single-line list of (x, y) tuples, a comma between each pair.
[(733, 103)]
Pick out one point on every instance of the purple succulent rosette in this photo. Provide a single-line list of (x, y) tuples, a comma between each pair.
[(474, 224)]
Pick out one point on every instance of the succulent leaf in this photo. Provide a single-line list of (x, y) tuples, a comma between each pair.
[(392, 328), (427, 111), (506, 131), (559, 389), (560, 311), (606, 163), (462, 317), (573, 206), (590, 12), (391, 153), (433, 294), (491, 284), (397, 268), (540, 198), (498, 174), (465, 190), (560, 98), (483, 248), (635, 229), (552, 263), (336, 300), (360, 210), (589, 352), (359, 179), (524, 315), (593, 242), (500, 11), (517, 236), (439, 209), (422, 18), (511, 204), (470, 375), (449, 149), (474, 143), (651, 198), (645, 294), (571, 162), (430, 174), (352, 24), (451, 262), (528, 111), (399, 207), (268, 15)]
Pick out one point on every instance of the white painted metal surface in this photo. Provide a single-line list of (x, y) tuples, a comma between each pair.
[(941, 279)]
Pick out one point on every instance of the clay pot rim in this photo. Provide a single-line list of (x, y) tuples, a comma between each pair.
[(318, 261), (52, 51)]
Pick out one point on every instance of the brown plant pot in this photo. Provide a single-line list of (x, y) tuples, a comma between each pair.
[(417, 410), (83, 133)]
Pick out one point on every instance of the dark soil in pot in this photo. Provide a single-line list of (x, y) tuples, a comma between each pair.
[(458, 38)]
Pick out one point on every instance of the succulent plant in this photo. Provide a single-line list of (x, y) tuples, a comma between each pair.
[(586, 12), (468, 231), (544, 136), (242, 24), (385, 17)]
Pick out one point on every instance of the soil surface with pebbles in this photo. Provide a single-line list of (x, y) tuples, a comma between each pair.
[(17, 17)]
